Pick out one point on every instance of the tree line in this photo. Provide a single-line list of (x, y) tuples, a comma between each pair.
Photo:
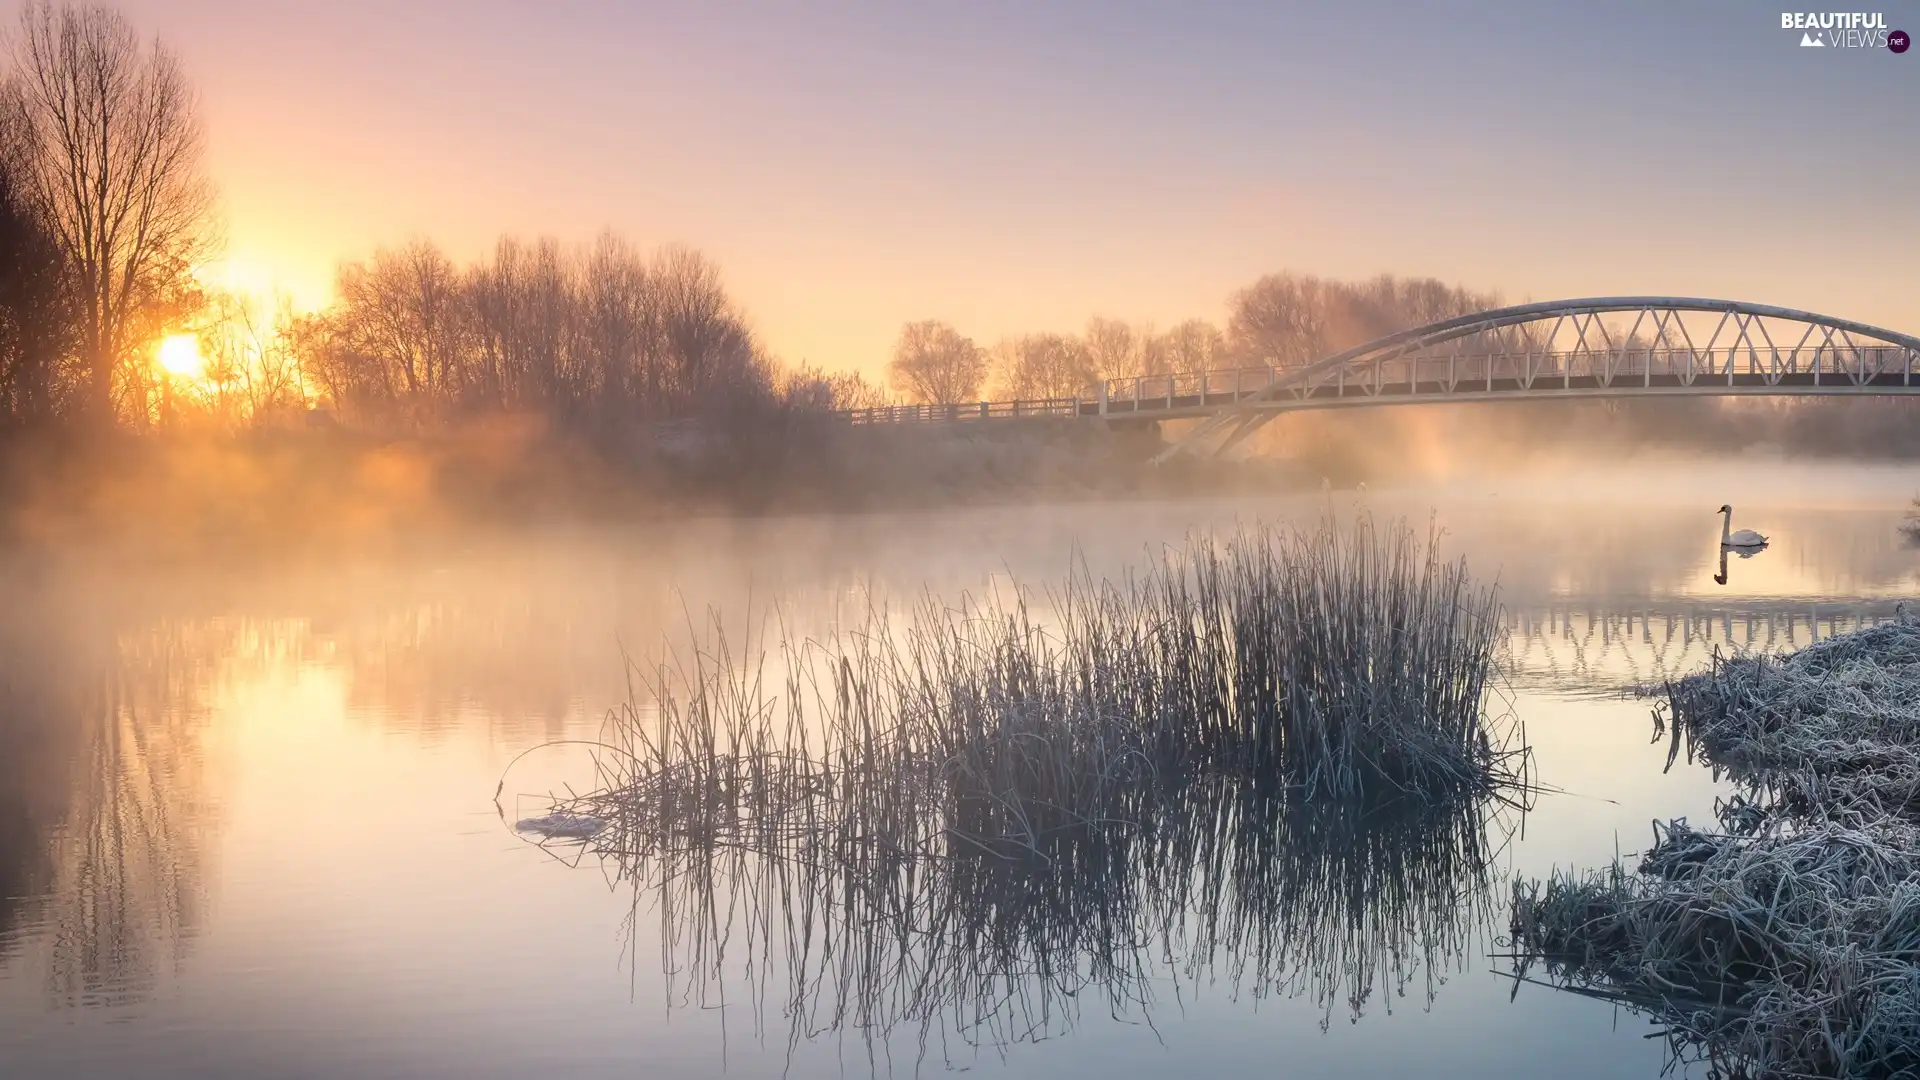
[(106, 215), (604, 334), (1281, 320)]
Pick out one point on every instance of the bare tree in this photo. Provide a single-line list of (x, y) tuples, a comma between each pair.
[(586, 335), (620, 332), (112, 162), (707, 346), (1281, 319), (1113, 348), (1291, 319), (1387, 303), (347, 380), (1044, 366), (275, 383), (403, 322), (523, 306), (1193, 346), (252, 371), (809, 388), (936, 364)]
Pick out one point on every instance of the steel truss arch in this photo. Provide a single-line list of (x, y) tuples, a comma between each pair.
[(1576, 348)]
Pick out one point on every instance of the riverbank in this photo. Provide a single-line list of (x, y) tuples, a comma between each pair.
[(1783, 942)]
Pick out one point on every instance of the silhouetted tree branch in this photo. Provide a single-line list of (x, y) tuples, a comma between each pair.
[(110, 161)]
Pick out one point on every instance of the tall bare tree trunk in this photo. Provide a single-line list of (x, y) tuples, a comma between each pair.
[(111, 148)]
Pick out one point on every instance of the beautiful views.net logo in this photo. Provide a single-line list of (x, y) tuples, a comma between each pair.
[(1845, 30)]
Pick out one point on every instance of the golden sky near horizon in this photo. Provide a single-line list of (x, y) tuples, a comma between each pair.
[(1011, 168)]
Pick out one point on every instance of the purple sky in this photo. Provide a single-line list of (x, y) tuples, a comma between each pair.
[(1023, 166)]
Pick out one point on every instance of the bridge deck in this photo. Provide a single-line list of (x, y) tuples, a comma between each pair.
[(1266, 390)]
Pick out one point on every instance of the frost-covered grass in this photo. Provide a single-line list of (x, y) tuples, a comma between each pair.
[(1787, 942)]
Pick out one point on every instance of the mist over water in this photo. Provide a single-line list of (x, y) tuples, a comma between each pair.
[(890, 575), (247, 825)]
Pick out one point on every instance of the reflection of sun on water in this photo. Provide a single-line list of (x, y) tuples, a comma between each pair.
[(180, 355)]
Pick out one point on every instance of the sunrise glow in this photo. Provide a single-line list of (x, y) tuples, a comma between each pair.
[(179, 356)]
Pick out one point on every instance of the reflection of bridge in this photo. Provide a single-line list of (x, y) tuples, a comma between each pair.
[(1571, 645), (1607, 347)]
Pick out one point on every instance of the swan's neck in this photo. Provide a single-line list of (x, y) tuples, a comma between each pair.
[(1726, 524)]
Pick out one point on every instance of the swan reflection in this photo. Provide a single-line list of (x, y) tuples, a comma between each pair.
[(1720, 577)]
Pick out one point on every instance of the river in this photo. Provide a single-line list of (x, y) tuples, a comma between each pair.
[(248, 822)]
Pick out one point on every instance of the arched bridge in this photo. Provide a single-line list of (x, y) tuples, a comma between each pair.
[(1603, 347)]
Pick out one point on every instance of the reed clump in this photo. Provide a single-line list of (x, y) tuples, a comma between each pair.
[(1785, 942), (1267, 756), (1331, 663), (1343, 662)]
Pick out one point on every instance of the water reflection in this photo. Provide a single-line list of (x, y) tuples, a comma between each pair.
[(107, 804), (1225, 889), (1746, 552), (34, 731), (1600, 647)]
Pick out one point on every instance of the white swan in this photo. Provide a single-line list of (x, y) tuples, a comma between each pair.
[(1745, 538)]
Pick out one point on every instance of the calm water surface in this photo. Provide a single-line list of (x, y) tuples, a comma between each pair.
[(247, 825)]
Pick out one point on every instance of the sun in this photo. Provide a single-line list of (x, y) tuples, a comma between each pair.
[(180, 355)]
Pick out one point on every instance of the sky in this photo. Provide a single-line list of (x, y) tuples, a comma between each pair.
[(1020, 166)]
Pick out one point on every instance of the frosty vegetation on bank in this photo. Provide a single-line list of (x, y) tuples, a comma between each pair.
[(1783, 943)]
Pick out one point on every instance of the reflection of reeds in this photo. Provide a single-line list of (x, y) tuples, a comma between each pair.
[(1265, 760), (1783, 944), (1223, 884)]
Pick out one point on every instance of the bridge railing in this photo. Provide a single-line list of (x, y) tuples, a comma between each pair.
[(1183, 388), (956, 413), (1145, 393)]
